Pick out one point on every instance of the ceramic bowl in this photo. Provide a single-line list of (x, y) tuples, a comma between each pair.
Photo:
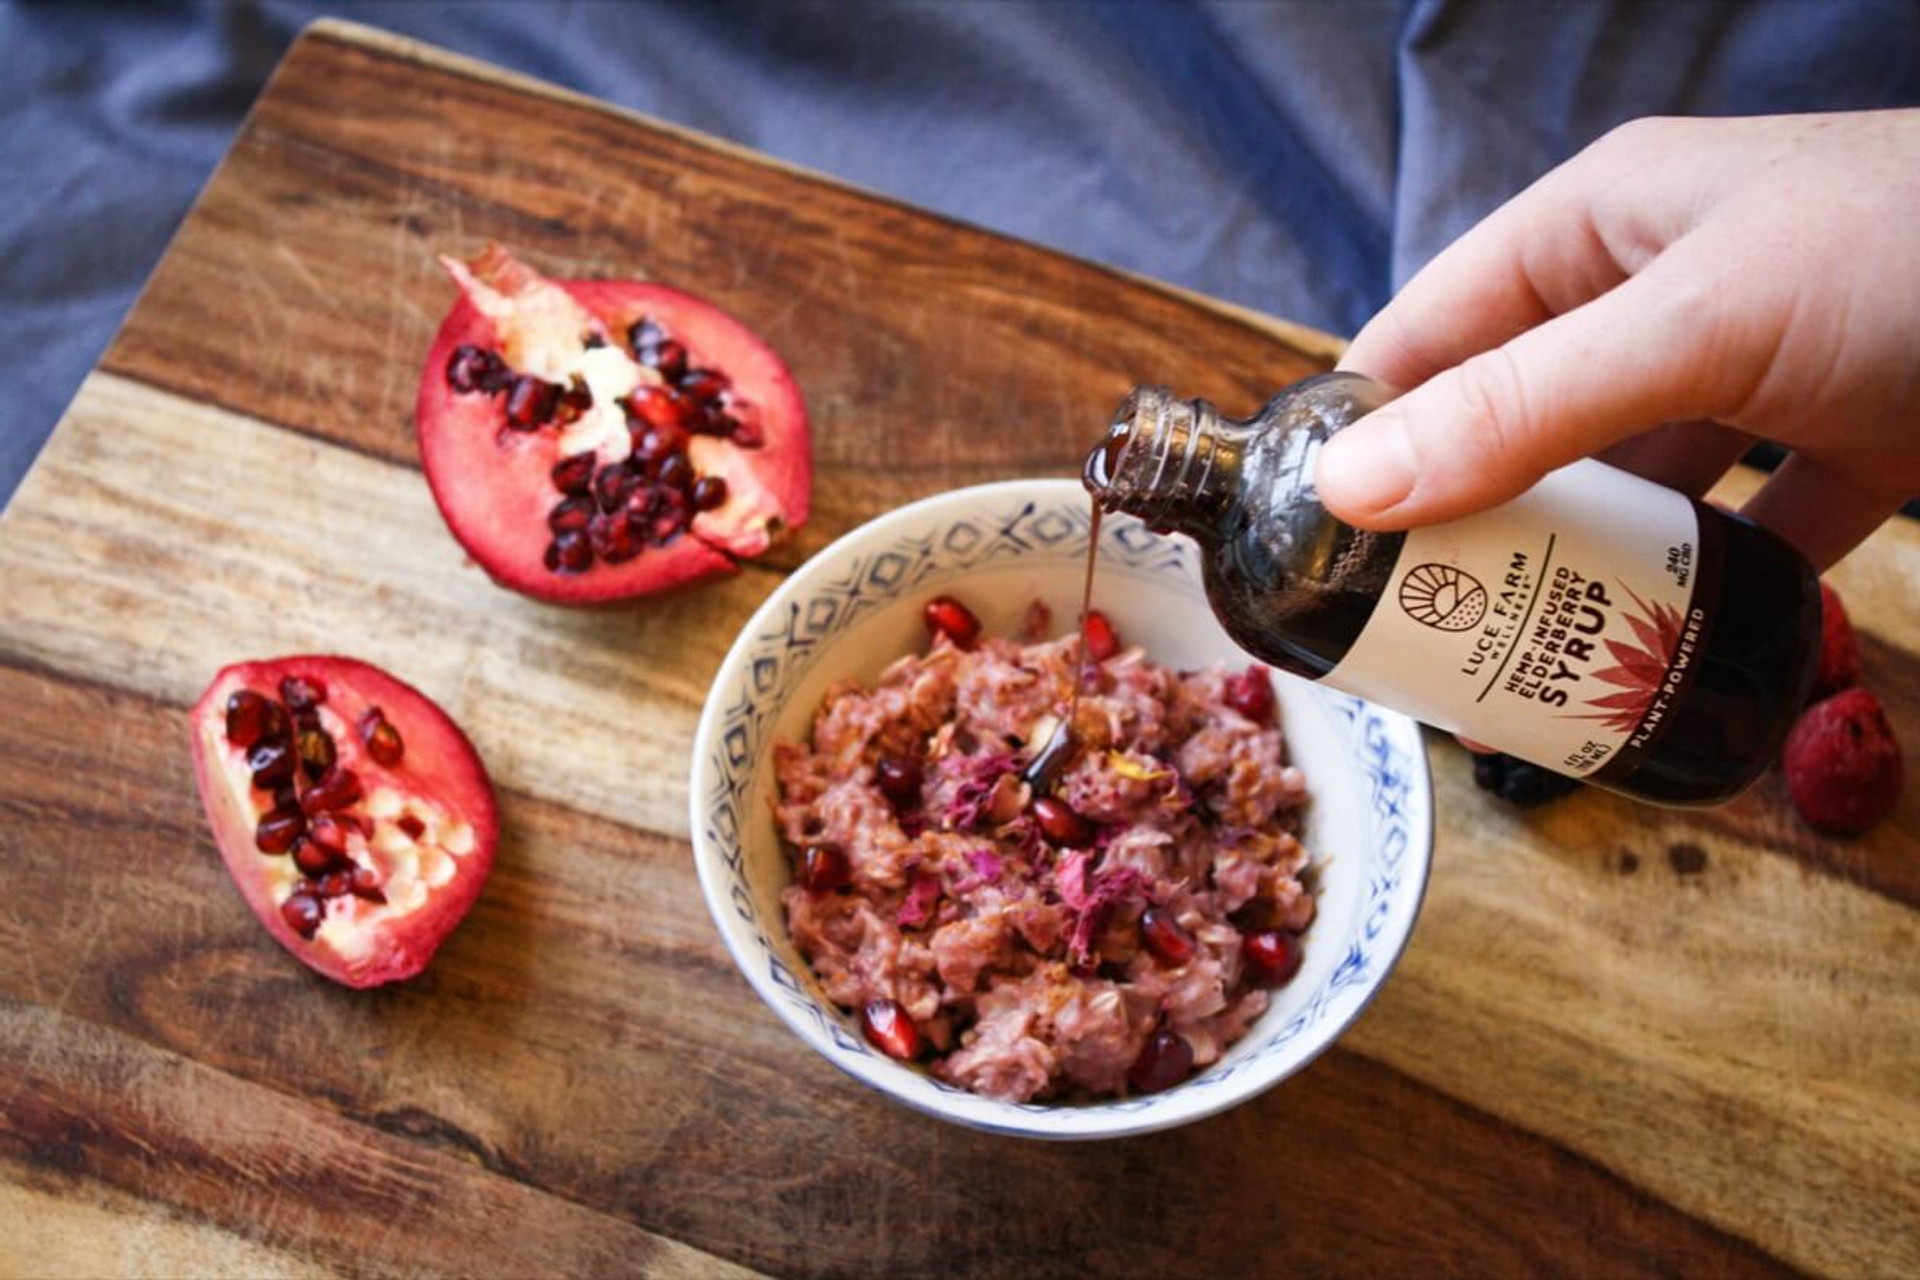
[(856, 606)]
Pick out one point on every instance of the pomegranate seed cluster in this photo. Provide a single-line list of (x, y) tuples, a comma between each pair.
[(611, 511), (291, 757), (1105, 927)]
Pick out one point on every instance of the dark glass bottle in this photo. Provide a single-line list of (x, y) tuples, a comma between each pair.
[(1600, 625)]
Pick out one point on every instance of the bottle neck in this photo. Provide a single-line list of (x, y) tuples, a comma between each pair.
[(1173, 463)]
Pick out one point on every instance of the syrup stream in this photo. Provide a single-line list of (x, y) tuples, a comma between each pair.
[(1047, 765)]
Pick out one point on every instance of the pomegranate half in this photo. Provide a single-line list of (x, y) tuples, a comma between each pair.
[(351, 812), (593, 440)]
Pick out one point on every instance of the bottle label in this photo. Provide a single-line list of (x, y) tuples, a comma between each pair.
[(1559, 628)]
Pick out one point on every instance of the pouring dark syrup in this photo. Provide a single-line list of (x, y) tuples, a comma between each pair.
[(1506, 626), (1052, 759)]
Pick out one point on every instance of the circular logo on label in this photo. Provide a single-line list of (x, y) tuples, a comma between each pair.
[(1443, 597)]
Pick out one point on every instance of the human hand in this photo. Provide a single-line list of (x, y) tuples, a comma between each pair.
[(1730, 279)]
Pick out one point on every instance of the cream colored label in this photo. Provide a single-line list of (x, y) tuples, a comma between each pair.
[(1556, 628)]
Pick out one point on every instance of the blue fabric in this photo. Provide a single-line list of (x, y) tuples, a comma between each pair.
[(1297, 157)]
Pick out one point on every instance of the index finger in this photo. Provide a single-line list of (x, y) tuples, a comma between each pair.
[(1535, 257), (1580, 230)]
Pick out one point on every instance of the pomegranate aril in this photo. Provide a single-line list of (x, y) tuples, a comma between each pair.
[(302, 693), (613, 538), (333, 885), (530, 402), (1163, 1062), (328, 832), (1164, 936), (668, 515), (413, 827), (646, 500), (649, 510), (745, 433), (278, 829), (709, 492), (339, 789), (712, 420), (463, 370), (573, 402), (364, 882), (573, 475), (822, 868), (468, 369), (670, 358), (570, 515), (1061, 824), (381, 738), (645, 332), (666, 355), (659, 408), (675, 470), (703, 384), (1101, 641), (314, 858), (898, 779), (271, 763), (948, 617), (303, 913), (656, 445), (613, 485), (246, 718), (888, 1028), (317, 752), (1271, 956), (1251, 694), (569, 553)]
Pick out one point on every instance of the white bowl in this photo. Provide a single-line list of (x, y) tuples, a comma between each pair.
[(855, 607)]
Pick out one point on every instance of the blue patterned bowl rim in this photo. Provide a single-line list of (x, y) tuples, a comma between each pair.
[(932, 544)]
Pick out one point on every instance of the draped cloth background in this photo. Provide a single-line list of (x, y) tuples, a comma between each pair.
[(1303, 158)]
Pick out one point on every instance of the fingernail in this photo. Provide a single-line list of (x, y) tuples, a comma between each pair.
[(1368, 468)]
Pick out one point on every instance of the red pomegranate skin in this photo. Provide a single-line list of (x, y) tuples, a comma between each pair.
[(495, 487), (440, 766)]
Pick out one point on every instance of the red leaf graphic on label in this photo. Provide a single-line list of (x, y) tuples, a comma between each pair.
[(1643, 667), (1648, 632), (1666, 624), (1630, 699)]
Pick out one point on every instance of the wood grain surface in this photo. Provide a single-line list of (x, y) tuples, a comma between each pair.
[(1623, 1042)]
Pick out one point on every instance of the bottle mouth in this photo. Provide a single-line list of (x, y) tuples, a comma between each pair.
[(1103, 462), (1156, 459)]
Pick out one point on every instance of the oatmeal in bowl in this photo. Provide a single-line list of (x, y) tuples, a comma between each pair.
[(860, 788), (1093, 929)]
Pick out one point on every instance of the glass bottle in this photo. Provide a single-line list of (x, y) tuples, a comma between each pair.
[(1599, 625)]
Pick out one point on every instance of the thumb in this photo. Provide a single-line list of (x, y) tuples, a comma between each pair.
[(1486, 430)]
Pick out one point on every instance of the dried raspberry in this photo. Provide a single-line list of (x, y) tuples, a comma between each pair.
[(1843, 763), (1839, 651)]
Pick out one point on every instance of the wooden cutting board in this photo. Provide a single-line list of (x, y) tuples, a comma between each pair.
[(1623, 1041)]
